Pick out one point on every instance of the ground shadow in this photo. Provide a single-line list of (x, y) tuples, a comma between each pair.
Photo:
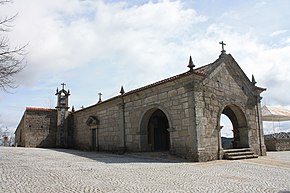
[(112, 158)]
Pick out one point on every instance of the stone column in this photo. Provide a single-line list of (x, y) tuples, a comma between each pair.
[(61, 133), (260, 127), (220, 148), (244, 137), (171, 130)]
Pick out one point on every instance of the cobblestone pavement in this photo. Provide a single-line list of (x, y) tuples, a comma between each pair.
[(58, 170)]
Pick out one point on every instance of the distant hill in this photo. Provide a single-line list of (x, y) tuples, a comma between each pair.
[(281, 135)]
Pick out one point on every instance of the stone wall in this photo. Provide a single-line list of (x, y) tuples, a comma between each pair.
[(225, 88), (132, 112), (278, 144), (174, 98), (37, 128), (193, 104), (109, 130), (19, 137)]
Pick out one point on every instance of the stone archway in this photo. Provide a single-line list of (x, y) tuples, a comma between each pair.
[(154, 134), (239, 124)]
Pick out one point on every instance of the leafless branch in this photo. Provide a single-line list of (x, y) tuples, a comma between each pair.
[(11, 59), (5, 1), (5, 24)]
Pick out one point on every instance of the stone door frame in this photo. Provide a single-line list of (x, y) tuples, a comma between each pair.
[(93, 124)]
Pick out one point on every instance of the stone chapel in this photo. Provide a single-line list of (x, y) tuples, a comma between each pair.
[(180, 114)]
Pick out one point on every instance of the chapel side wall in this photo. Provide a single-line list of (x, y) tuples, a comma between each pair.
[(40, 128), (19, 137), (175, 99), (217, 92), (108, 131)]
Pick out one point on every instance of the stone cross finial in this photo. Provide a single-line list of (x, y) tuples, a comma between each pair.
[(122, 90), (223, 49), (253, 80), (63, 84), (100, 97), (190, 65)]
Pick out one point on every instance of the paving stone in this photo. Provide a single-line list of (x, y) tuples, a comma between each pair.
[(64, 170)]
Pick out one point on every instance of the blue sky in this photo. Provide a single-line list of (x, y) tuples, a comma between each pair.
[(98, 46)]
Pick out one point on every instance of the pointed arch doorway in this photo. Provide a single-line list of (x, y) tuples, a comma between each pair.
[(154, 131), (158, 136), (239, 128)]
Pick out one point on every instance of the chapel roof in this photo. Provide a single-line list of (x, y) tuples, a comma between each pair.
[(201, 71), (198, 71)]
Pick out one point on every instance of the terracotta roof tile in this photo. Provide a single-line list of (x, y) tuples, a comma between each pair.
[(202, 70), (38, 109)]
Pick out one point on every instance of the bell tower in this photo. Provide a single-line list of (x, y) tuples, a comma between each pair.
[(62, 114)]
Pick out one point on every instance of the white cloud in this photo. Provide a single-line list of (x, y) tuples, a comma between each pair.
[(260, 4), (139, 38), (278, 32), (95, 46), (227, 130), (270, 65)]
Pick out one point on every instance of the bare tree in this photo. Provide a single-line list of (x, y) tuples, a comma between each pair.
[(11, 59)]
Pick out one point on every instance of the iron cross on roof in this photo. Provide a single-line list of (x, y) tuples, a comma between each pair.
[(223, 49), (100, 97), (63, 84)]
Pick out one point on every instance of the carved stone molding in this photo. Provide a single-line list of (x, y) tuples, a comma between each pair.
[(93, 122)]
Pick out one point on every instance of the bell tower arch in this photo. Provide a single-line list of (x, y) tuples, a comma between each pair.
[(62, 114)]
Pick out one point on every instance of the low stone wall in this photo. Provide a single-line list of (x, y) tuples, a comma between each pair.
[(277, 144)]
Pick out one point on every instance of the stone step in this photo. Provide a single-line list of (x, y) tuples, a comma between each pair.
[(235, 154), (240, 153), (242, 157), (237, 150)]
